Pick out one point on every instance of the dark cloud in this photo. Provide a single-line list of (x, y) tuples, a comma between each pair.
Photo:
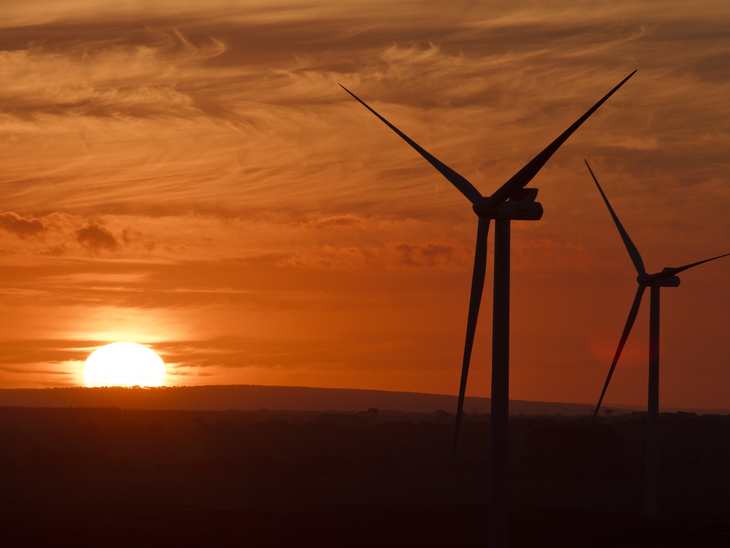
[(12, 222), (95, 236)]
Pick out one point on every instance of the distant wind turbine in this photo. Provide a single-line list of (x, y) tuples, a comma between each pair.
[(510, 201), (665, 278)]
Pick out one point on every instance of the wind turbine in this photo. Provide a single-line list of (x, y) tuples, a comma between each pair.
[(510, 201), (665, 278)]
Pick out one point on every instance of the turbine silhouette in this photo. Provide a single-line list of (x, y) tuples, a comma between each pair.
[(665, 278), (510, 201)]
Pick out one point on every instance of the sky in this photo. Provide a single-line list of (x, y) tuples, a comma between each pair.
[(190, 176)]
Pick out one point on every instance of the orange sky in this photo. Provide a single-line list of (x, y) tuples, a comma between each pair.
[(190, 176)]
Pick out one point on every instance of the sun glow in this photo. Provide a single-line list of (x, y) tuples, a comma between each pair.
[(124, 364)]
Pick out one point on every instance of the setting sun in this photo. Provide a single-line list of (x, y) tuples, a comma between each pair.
[(124, 364)]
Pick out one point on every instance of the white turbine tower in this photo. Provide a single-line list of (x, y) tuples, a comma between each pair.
[(665, 278), (510, 201)]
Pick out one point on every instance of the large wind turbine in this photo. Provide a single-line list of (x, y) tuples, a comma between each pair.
[(510, 201), (665, 278)]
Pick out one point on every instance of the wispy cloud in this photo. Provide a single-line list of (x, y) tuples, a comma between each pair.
[(338, 221), (328, 257)]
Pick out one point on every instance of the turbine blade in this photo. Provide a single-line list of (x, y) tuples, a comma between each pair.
[(668, 272), (524, 176), (630, 247), (464, 186), (625, 335), (477, 286)]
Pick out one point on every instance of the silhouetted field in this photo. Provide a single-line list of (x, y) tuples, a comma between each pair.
[(252, 397), (113, 477)]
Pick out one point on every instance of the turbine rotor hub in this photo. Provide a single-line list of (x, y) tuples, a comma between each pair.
[(483, 207), (520, 207)]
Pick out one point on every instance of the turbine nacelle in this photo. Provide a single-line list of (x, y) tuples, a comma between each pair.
[(520, 207), (660, 279), (670, 281)]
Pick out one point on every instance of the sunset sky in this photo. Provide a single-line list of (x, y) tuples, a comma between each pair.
[(190, 176)]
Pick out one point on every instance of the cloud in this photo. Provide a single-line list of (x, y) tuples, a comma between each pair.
[(336, 221), (12, 222), (437, 253), (392, 255), (46, 351), (54, 251), (104, 77), (95, 236), (328, 257)]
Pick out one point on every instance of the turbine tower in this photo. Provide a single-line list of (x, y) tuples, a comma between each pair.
[(665, 278), (510, 201)]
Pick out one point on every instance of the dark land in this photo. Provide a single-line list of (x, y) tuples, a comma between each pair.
[(252, 397), (121, 477), (296, 398)]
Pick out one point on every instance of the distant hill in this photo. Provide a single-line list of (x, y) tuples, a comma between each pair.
[(252, 397)]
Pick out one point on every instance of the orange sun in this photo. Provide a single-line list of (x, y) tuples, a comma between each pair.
[(124, 364)]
